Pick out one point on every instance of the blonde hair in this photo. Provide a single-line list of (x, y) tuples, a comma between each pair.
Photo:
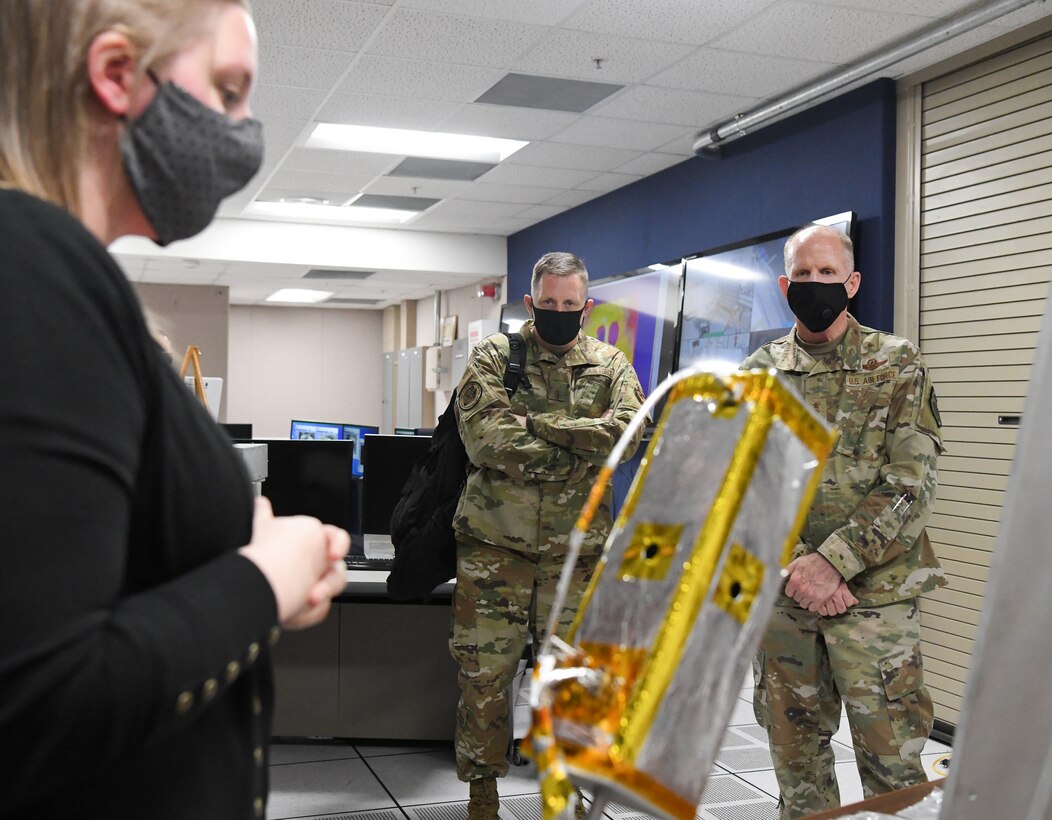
[(46, 101)]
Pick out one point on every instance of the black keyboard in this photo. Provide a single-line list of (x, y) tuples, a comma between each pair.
[(361, 562)]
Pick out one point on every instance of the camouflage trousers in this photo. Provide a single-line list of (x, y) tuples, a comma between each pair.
[(500, 594), (869, 658)]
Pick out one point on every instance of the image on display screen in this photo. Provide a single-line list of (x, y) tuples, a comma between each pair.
[(315, 431), (357, 434), (732, 303), (637, 315)]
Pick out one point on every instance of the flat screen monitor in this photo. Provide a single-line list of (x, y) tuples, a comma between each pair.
[(315, 431), (405, 431), (512, 315), (388, 460), (237, 430), (732, 303), (313, 478), (356, 434), (637, 314)]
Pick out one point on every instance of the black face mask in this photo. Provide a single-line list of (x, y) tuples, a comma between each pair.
[(182, 159), (557, 327), (817, 304)]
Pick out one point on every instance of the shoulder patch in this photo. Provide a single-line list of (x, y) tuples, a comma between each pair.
[(640, 395), (470, 395)]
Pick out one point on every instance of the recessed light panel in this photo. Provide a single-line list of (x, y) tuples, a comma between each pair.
[(466, 147)]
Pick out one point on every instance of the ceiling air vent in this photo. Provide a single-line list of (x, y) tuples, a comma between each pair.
[(340, 274)]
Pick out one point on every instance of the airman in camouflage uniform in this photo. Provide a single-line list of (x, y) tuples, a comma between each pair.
[(847, 627), (534, 459)]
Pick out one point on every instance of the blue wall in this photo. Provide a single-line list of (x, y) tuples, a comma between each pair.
[(839, 156)]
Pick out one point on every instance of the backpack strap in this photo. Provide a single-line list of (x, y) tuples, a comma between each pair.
[(515, 369)]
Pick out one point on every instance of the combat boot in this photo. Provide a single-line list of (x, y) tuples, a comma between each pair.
[(579, 810), (483, 803)]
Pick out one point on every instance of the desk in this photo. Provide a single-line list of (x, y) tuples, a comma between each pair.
[(373, 669)]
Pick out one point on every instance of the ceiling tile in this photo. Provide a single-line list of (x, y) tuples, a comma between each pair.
[(338, 25), (668, 105), (472, 208), (787, 29), (508, 173), (317, 181), (648, 164), (541, 212), (641, 136), (338, 162), (670, 21), (541, 12), (929, 8), (624, 59), (279, 132), (301, 67), (609, 182), (385, 112), (417, 186), (399, 77), (571, 199), (509, 123), (733, 72), (269, 100), (526, 194), (446, 38), (576, 157)]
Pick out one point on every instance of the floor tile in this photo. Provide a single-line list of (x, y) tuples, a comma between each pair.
[(937, 766), (431, 777), (284, 753), (369, 750), (763, 779), (325, 787), (848, 780), (742, 714)]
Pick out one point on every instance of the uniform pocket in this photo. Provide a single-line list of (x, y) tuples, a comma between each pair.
[(910, 712), (862, 419), (759, 692), (591, 394)]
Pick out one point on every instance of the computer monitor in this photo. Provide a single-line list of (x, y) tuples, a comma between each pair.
[(387, 461), (313, 478), (405, 431), (315, 431), (512, 315), (237, 430), (356, 433)]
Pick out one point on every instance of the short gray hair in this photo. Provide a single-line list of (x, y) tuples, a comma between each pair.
[(558, 263), (789, 252)]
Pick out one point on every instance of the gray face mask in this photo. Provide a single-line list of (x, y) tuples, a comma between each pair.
[(183, 159)]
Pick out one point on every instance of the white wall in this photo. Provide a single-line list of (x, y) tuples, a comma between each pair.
[(303, 363)]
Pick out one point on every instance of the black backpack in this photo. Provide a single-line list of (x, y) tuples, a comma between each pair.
[(422, 521)]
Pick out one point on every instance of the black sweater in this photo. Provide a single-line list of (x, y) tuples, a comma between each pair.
[(134, 674)]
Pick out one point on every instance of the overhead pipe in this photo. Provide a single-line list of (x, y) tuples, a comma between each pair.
[(707, 143)]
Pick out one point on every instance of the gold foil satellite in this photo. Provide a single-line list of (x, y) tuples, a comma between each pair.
[(633, 702)]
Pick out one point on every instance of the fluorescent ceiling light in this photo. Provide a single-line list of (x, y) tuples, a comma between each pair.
[(412, 143), (727, 270), (312, 212), (299, 295)]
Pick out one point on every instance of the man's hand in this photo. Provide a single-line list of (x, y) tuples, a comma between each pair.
[(812, 581), (841, 601)]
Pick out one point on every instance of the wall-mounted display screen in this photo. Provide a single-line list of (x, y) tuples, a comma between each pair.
[(732, 303), (637, 313)]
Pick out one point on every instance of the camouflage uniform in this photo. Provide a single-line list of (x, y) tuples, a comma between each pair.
[(868, 520), (524, 492)]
